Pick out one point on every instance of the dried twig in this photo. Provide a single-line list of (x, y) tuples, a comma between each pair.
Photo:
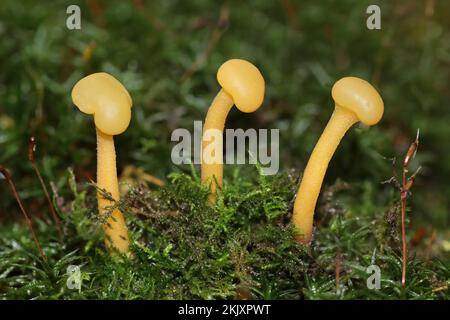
[(31, 150), (291, 9), (216, 35), (338, 262), (430, 245), (8, 178), (407, 184)]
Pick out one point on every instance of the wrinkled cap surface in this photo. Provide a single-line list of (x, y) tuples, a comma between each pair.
[(103, 96), (243, 82), (360, 97)]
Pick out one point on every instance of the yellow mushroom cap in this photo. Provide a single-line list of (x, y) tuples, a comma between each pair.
[(360, 97), (243, 82), (107, 99)]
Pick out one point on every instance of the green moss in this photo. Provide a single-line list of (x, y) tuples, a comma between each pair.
[(182, 248)]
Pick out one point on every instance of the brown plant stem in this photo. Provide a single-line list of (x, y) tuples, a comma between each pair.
[(31, 149), (214, 39), (407, 184), (338, 261), (403, 195), (8, 178)]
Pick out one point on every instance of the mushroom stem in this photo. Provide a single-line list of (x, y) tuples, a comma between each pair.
[(115, 227), (212, 173), (341, 120)]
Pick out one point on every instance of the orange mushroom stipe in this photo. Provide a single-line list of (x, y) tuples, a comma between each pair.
[(355, 100), (102, 96), (242, 85)]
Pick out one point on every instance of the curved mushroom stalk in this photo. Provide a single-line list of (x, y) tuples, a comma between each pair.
[(356, 100), (243, 86), (315, 170), (115, 227), (102, 96), (212, 171)]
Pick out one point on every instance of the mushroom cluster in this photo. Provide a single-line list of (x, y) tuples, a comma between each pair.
[(104, 97)]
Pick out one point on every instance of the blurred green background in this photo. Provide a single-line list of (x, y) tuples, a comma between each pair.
[(167, 53)]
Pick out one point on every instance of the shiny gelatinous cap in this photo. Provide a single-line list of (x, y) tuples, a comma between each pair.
[(107, 99), (243, 82), (360, 97)]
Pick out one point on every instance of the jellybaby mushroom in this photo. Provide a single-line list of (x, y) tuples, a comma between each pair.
[(242, 85), (102, 96), (355, 100)]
